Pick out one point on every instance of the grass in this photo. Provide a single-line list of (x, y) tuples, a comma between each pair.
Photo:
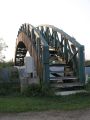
[(24, 104)]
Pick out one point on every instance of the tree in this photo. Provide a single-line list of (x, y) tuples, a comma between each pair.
[(87, 63), (3, 47)]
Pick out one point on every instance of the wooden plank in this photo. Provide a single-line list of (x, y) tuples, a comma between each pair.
[(63, 78), (67, 85)]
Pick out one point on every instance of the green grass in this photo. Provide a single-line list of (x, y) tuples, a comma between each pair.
[(24, 104)]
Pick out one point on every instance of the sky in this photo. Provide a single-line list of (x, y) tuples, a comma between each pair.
[(72, 16)]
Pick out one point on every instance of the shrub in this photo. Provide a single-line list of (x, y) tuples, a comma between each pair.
[(46, 90), (37, 90), (7, 88), (32, 90)]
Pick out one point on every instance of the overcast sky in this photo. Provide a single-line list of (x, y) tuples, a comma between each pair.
[(72, 16)]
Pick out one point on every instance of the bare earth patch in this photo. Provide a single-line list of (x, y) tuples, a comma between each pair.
[(48, 115)]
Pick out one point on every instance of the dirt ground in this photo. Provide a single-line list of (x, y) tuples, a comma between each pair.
[(48, 115)]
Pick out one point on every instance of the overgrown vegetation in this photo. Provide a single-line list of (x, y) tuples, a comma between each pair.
[(38, 90), (12, 84), (24, 104), (9, 88), (37, 97), (32, 90), (35, 100)]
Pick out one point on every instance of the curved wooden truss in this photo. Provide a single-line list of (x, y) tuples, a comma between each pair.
[(50, 46)]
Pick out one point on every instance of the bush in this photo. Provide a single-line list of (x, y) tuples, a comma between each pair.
[(32, 90), (7, 88), (46, 90), (37, 90)]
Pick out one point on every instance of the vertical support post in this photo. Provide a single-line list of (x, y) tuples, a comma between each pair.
[(38, 46), (81, 64), (38, 54), (28, 31), (65, 50), (61, 45), (45, 64), (55, 40)]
